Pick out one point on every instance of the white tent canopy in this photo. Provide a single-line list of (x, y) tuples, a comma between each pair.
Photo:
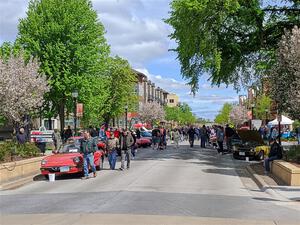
[(284, 121)]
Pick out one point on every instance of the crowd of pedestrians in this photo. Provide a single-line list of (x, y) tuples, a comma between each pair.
[(124, 142)]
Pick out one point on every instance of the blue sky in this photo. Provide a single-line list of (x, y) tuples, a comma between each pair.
[(135, 31)]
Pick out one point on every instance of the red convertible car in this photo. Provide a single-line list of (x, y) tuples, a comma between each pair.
[(68, 160), (143, 142)]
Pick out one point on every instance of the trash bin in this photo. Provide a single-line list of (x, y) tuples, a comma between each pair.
[(51, 177)]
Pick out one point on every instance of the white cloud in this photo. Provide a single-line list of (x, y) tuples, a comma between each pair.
[(138, 38)]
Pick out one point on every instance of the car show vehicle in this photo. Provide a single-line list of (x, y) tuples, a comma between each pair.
[(68, 159), (143, 142), (249, 143)]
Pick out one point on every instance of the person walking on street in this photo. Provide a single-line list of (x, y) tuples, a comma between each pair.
[(155, 138), (203, 136), (133, 146), (274, 154), (176, 137), (191, 133), (220, 139), (93, 132), (87, 147), (229, 132), (126, 142), (112, 144)]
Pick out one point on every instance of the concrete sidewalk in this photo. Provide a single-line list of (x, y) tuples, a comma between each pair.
[(116, 219), (270, 184)]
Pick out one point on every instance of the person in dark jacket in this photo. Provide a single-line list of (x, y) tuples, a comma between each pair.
[(126, 142), (87, 147), (138, 133), (229, 132), (191, 133), (21, 136), (274, 154), (67, 134), (93, 132)]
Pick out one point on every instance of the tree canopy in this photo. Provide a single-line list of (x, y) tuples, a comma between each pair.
[(231, 40), (22, 88), (68, 40), (181, 114), (224, 115)]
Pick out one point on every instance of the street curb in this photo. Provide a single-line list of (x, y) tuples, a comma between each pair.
[(264, 186), (17, 183)]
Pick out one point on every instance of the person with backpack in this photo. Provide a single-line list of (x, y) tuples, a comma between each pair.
[(126, 142), (274, 154), (229, 133), (191, 133), (112, 144), (220, 139)]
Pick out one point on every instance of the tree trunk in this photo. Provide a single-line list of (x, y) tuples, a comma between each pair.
[(62, 116), (114, 122)]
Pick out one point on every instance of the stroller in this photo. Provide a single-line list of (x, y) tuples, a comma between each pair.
[(213, 140)]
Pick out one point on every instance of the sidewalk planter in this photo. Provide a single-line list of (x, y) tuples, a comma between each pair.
[(287, 172), (19, 169)]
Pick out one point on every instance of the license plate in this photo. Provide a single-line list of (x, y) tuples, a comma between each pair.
[(242, 153), (64, 169)]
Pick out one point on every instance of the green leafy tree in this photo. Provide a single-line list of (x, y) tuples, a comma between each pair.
[(172, 113), (224, 116), (68, 40), (111, 92), (229, 39), (262, 107)]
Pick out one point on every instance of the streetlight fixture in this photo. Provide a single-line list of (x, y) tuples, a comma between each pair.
[(126, 116), (75, 96)]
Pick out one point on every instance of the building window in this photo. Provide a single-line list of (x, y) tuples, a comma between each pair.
[(171, 100)]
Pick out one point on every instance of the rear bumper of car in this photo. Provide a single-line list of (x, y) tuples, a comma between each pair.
[(243, 154)]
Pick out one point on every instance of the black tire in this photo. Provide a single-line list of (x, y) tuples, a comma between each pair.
[(46, 177)]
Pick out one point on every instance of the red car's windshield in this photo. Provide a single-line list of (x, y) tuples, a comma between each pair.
[(69, 148)]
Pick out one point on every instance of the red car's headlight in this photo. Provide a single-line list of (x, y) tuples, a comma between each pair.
[(43, 162), (76, 160)]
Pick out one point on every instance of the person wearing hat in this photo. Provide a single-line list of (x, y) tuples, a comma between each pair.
[(274, 154), (112, 144)]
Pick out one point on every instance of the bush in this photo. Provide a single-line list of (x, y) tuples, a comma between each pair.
[(293, 154), (10, 148)]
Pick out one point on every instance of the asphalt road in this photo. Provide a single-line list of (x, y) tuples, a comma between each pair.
[(185, 182)]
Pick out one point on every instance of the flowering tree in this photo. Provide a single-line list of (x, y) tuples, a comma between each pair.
[(151, 112), (21, 88), (285, 75), (238, 115)]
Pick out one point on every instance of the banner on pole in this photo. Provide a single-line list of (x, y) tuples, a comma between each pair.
[(79, 109)]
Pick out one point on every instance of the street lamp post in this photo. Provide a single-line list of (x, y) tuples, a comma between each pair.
[(266, 111), (126, 116), (252, 115), (75, 96)]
